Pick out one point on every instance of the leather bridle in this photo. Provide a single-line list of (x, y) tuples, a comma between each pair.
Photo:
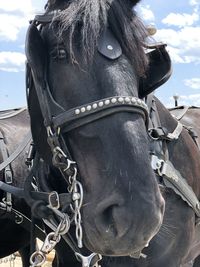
[(58, 121)]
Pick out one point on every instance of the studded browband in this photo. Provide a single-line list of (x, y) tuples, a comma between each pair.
[(84, 114), (56, 117)]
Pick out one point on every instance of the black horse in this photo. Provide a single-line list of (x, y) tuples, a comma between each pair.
[(76, 60), (126, 204), (14, 125), (177, 242), (92, 52), (170, 242), (86, 62), (122, 207)]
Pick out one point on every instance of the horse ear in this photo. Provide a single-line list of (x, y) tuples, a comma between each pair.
[(35, 52), (158, 72)]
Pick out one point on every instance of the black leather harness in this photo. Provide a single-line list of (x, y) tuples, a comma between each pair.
[(164, 168)]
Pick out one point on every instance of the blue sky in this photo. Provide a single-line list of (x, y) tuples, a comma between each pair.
[(177, 23)]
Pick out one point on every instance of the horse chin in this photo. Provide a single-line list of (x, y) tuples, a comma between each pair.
[(116, 251), (115, 247)]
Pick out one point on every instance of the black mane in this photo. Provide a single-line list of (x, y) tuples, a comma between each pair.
[(94, 16)]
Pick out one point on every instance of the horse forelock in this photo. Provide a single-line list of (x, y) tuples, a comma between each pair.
[(88, 18)]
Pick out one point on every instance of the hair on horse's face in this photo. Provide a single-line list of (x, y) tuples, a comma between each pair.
[(54, 3), (88, 18)]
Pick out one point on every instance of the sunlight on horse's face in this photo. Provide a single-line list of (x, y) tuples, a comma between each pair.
[(123, 207)]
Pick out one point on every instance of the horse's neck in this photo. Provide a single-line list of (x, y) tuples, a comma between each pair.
[(183, 152), (191, 121)]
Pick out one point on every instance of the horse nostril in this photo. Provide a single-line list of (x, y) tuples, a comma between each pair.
[(113, 220), (108, 220), (107, 215)]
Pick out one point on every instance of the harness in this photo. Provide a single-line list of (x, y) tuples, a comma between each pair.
[(58, 121), (7, 172), (160, 162)]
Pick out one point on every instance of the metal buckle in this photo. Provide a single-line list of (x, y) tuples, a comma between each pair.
[(54, 201), (157, 164), (8, 176)]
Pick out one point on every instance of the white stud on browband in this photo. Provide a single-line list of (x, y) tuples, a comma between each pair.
[(77, 111), (89, 107), (127, 99), (113, 100), (120, 99), (133, 100), (107, 102), (101, 104)]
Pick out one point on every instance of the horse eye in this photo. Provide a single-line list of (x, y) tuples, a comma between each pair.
[(58, 53), (61, 54)]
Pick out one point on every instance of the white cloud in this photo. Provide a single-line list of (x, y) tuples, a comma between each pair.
[(175, 55), (15, 16), (187, 100), (194, 2), (193, 83), (146, 13), (22, 6), (181, 20), (12, 61), (183, 45), (13, 26), (190, 100)]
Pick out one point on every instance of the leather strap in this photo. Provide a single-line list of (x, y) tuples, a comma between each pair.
[(6, 114), (22, 220), (40, 19), (174, 180), (8, 176), (179, 112), (27, 139), (82, 115), (63, 199)]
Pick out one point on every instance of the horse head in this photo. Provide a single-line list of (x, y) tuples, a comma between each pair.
[(90, 56)]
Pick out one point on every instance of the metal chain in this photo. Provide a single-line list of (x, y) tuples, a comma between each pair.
[(38, 258), (75, 187), (77, 196)]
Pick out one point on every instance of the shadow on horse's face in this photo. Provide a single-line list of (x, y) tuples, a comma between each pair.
[(123, 207)]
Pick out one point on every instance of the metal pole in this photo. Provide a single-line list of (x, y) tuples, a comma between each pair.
[(176, 97)]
